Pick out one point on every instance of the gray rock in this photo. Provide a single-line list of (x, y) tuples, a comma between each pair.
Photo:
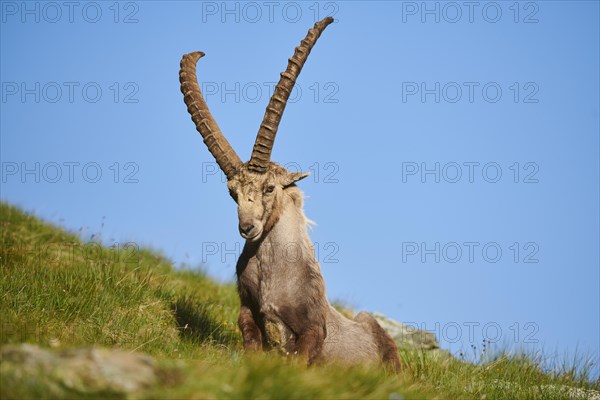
[(85, 372)]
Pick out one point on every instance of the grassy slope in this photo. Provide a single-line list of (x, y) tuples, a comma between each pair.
[(59, 292)]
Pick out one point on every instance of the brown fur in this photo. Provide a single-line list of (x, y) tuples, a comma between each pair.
[(280, 284), (386, 345), (253, 338)]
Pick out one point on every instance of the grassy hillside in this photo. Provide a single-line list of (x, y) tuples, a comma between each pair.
[(59, 292)]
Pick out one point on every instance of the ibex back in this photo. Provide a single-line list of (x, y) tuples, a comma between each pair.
[(282, 294)]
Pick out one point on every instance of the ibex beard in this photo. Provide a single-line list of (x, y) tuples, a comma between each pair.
[(283, 300)]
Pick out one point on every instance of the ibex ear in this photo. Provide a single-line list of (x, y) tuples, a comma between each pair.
[(293, 177)]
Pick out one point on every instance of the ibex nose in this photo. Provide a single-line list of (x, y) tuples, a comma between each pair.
[(246, 228)]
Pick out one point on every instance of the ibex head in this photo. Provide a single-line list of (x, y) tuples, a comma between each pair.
[(257, 186)]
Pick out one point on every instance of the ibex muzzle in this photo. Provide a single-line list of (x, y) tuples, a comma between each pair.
[(283, 301)]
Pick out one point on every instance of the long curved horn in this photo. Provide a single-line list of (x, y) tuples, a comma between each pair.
[(218, 146), (261, 154)]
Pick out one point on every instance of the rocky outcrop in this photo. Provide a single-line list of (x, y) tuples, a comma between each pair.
[(75, 373)]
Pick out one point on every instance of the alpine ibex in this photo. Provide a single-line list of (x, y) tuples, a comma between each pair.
[(283, 301)]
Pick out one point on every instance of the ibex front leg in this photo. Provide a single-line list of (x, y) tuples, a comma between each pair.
[(310, 343), (308, 325), (250, 331)]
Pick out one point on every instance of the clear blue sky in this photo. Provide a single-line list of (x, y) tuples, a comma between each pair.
[(406, 116)]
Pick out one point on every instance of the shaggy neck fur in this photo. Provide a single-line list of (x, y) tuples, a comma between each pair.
[(286, 230)]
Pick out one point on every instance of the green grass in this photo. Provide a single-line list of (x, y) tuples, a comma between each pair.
[(59, 292)]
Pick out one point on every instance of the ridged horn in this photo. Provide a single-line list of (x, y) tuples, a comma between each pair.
[(261, 153), (218, 146)]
